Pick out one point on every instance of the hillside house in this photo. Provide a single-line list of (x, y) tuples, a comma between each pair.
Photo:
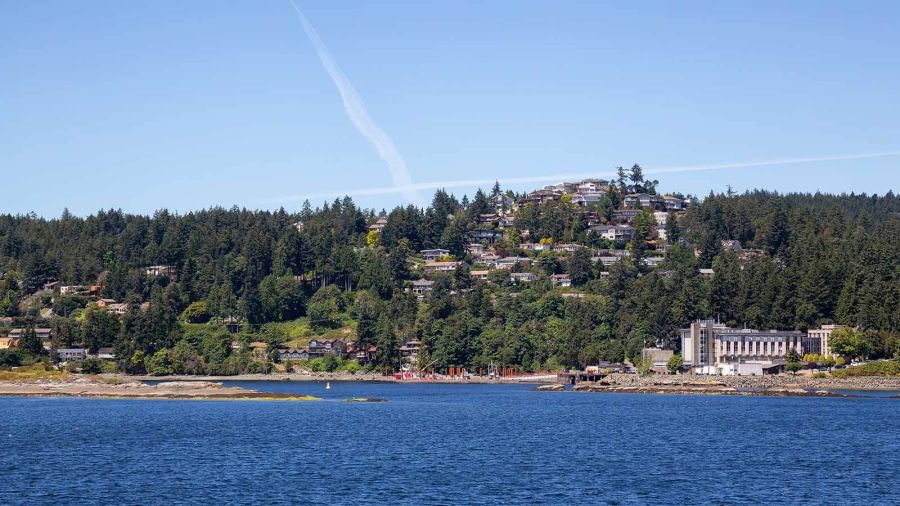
[(475, 248), (293, 354), (561, 280), (441, 266), (568, 248), (615, 233), (505, 223), (322, 347), (510, 262), (409, 352), (161, 271), (674, 203), (593, 185), (434, 254), (106, 354), (522, 277), (379, 225), (422, 287), (70, 289), (653, 262), (67, 354), (118, 308), (480, 275), (502, 204), (586, 199), (42, 333), (487, 258), (636, 201), (625, 214), (489, 235), (606, 260), (362, 353), (536, 246)]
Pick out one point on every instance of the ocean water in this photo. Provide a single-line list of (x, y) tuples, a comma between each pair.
[(451, 444)]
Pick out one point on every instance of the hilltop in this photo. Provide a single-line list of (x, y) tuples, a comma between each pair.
[(564, 275)]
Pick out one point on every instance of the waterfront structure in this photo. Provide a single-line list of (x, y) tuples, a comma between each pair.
[(106, 354), (322, 347), (823, 334), (710, 347), (42, 333), (66, 354), (658, 357), (293, 354), (409, 353), (362, 353)]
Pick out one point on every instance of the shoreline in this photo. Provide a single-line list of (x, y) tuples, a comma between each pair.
[(320, 377), (96, 388), (862, 383), (117, 386)]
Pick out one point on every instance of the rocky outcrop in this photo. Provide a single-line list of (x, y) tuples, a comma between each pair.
[(780, 381)]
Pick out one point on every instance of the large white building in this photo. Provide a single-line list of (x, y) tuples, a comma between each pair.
[(823, 334), (710, 347)]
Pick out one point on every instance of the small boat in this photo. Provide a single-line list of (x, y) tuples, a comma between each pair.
[(328, 386)]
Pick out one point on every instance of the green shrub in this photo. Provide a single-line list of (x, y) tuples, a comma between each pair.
[(91, 365), (880, 368)]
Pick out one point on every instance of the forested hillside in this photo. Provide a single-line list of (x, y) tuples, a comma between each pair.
[(803, 260)]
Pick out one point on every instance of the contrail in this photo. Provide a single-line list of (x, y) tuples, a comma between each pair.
[(359, 116), (471, 183)]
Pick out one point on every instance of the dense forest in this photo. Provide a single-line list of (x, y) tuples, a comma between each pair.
[(242, 274)]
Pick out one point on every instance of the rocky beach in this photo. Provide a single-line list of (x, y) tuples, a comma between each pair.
[(93, 387), (775, 385)]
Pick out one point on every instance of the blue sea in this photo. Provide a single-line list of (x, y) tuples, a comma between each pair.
[(451, 444)]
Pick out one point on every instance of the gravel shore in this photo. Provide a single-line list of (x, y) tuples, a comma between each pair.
[(96, 388), (762, 382)]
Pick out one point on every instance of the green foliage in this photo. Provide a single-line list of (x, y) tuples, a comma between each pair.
[(30, 343), (807, 260), (9, 358), (675, 363), (197, 312), (849, 343), (325, 308), (159, 364), (879, 368), (281, 298), (91, 365), (792, 367)]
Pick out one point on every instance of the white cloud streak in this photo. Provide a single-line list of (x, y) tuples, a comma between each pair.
[(359, 115), (473, 183)]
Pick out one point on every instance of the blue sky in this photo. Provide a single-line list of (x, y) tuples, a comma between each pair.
[(144, 105)]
